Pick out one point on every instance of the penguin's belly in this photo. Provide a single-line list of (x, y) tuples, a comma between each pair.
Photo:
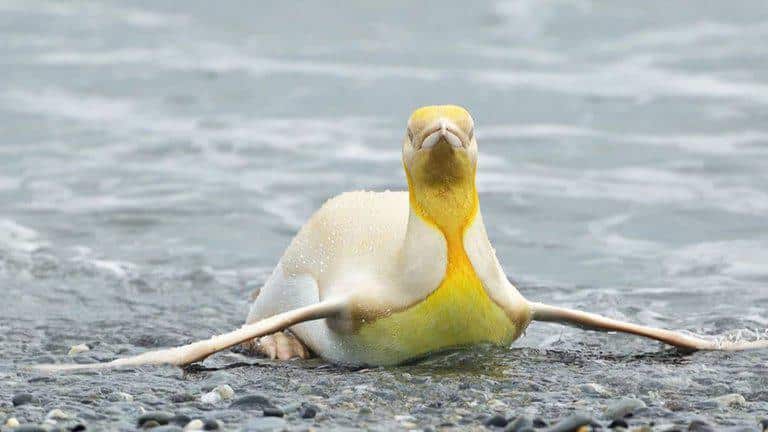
[(458, 313)]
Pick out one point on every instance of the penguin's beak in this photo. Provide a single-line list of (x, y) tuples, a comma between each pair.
[(443, 131)]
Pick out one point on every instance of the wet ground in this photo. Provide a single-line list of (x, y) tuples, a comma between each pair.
[(156, 158)]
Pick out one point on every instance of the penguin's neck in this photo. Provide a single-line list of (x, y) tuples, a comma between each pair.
[(447, 209)]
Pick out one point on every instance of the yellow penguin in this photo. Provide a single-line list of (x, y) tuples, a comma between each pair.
[(380, 278)]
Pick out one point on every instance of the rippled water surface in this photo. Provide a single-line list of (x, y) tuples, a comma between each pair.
[(157, 157)]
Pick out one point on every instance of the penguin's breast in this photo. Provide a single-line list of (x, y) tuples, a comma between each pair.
[(458, 313)]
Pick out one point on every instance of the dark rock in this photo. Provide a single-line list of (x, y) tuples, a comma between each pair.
[(153, 419), (497, 420), (619, 423), (210, 424), (273, 412), (764, 424), (700, 426), (22, 399), (308, 411), (539, 422), (182, 397), (265, 424), (518, 424), (252, 402), (572, 423)]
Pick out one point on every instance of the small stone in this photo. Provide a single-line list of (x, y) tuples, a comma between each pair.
[(273, 412), (194, 425), (211, 424), (265, 424), (496, 404), (618, 423), (182, 397), (623, 407), (218, 394), (365, 411), (700, 426), (539, 422), (120, 396), (22, 399), (733, 400), (57, 414), (252, 402), (308, 411), (77, 349), (153, 419), (572, 423), (594, 389), (12, 423), (496, 420), (519, 424)]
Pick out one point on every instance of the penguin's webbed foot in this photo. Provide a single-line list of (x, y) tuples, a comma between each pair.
[(281, 345)]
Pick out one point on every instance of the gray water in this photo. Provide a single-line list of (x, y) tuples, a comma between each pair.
[(157, 157)]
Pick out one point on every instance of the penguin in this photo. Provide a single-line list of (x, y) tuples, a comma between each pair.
[(383, 278)]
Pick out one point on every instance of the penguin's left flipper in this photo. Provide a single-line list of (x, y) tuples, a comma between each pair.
[(590, 321)]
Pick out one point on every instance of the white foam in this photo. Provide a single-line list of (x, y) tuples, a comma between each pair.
[(18, 238)]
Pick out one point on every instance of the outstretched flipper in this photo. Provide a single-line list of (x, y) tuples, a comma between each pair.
[(590, 321), (197, 351)]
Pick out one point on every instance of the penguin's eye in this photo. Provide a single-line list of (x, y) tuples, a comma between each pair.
[(410, 135), (471, 133)]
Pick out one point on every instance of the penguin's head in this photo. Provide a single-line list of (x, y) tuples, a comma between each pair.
[(439, 146), (440, 160)]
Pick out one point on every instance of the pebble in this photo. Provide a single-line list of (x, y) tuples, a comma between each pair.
[(211, 424), (20, 399), (182, 397), (265, 424), (518, 424), (252, 402), (273, 412), (120, 396), (308, 411), (153, 419), (572, 423), (77, 349), (497, 420), (194, 425), (12, 422), (622, 408), (57, 414), (733, 400), (618, 423), (594, 389), (700, 426), (539, 422), (218, 394)]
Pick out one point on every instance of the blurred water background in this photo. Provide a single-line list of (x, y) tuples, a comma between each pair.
[(157, 157)]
